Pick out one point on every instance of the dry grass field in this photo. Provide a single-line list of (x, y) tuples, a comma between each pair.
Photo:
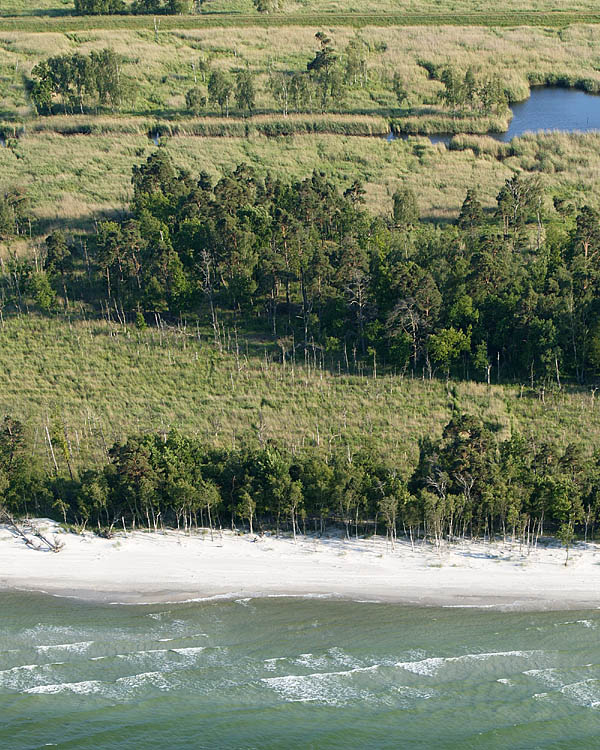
[(346, 7)]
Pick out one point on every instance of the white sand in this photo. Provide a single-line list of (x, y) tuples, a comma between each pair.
[(143, 567)]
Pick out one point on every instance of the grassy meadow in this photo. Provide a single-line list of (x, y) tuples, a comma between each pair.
[(77, 167), (106, 381)]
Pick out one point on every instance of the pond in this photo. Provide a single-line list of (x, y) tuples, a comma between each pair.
[(567, 110), (548, 108)]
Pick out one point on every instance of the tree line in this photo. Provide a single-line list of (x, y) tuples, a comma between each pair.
[(466, 484), (156, 7)]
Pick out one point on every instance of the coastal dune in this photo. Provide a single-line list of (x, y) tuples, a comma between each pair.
[(142, 567)]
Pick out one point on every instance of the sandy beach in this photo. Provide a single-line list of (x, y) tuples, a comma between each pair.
[(153, 567)]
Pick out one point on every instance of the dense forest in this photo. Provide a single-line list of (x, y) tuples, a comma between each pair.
[(466, 483), (510, 295)]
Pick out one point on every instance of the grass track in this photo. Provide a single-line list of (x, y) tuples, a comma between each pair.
[(513, 18)]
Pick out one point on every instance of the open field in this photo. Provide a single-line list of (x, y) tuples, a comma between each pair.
[(160, 72), (107, 382)]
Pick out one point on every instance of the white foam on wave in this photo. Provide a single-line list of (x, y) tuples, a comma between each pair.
[(183, 637), (584, 693), (341, 657), (331, 658), (143, 652), (271, 664), (80, 688), (547, 676), (26, 675), (121, 689), (189, 651), (77, 648), (472, 606), (311, 661), (429, 667), (24, 666), (215, 597), (332, 595), (338, 689), (42, 630), (155, 657), (319, 687), (585, 623), (154, 679)]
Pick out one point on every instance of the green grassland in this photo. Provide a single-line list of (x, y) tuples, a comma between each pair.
[(105, 381)]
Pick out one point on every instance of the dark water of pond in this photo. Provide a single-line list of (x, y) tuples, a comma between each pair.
[(548, 108)]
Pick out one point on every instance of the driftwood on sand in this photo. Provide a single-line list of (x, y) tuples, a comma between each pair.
[(30, 533)]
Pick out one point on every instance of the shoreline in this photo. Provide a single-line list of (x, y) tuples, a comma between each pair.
[(171, 567)]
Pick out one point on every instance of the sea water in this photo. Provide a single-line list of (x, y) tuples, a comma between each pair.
[(294, 673)]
